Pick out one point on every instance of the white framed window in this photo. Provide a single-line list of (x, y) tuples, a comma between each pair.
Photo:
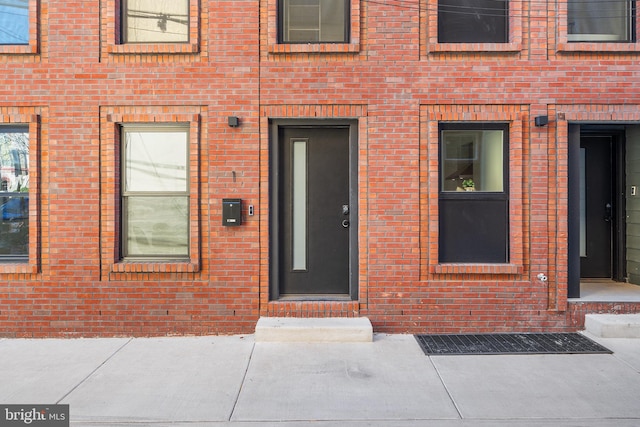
[(155, 192)]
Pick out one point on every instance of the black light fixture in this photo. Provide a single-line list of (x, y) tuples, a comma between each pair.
[(233, 121), (542, 120)]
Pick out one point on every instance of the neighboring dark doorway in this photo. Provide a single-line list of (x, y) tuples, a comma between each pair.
[(596, 205), (314, 225), (596, 210)]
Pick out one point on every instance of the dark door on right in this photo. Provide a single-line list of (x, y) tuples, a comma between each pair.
[(596, 210)]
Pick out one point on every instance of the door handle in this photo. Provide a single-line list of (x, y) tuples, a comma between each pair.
[(607, 212), (345, 223)]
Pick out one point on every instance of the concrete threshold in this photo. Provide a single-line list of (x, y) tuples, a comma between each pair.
[(613, 325), (332, 329)]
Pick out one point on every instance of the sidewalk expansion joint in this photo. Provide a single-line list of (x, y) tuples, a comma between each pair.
[(94, 371), (244, 377), (453, 401)]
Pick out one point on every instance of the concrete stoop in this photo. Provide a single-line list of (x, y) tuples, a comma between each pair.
[(613, 325), (333, 329)]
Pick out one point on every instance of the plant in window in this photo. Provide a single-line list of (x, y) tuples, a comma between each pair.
[(468, 185)]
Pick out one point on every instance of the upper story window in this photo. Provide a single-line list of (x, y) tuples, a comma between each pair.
[(14, 193), (14, 22), (473, 21), (155, 21), (314, 21), (601, 20)]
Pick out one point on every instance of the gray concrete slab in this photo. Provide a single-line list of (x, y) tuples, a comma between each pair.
[(568, 387), (166, 379), (613, 325), (624, 349), (388, 379), (598, 290), (234, 382), (386, 423), (313, 329), (43, 371)]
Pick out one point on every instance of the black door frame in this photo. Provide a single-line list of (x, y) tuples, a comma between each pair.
[(618, 236), (275, 125)]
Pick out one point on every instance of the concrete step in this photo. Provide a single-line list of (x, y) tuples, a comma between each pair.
[(333, 329), (613, 325)]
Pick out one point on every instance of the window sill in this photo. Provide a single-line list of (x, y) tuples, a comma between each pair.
[(18, 268), (480, 268), (475, 47), (596, 47), (19, 49), (314, 48), (153, 48), (155, 267)]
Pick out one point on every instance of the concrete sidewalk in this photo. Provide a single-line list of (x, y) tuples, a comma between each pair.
[(233, 381)]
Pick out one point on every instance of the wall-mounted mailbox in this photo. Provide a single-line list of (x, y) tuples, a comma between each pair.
[(231, 212)]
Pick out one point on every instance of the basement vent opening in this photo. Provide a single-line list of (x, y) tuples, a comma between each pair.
[(541, 343)]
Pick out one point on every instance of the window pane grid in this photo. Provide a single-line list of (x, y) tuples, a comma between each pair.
[(314, 21)]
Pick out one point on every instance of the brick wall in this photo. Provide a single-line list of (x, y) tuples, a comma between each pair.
[(73, 84)]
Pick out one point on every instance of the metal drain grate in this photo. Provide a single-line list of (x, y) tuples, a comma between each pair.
[(547, 343)]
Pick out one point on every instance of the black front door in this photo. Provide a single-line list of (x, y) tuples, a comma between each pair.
[(596, 204), (315, 214), (596, 207)]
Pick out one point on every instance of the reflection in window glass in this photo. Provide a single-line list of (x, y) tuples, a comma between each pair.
[(14, 193), (156, 161), (472, 160), (472, 21), (156, 21), (155, 197), (600, 20), (14, 22), (157, 226), (308, 21)]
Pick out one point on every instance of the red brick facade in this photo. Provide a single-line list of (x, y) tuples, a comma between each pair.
[(73, 84)]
